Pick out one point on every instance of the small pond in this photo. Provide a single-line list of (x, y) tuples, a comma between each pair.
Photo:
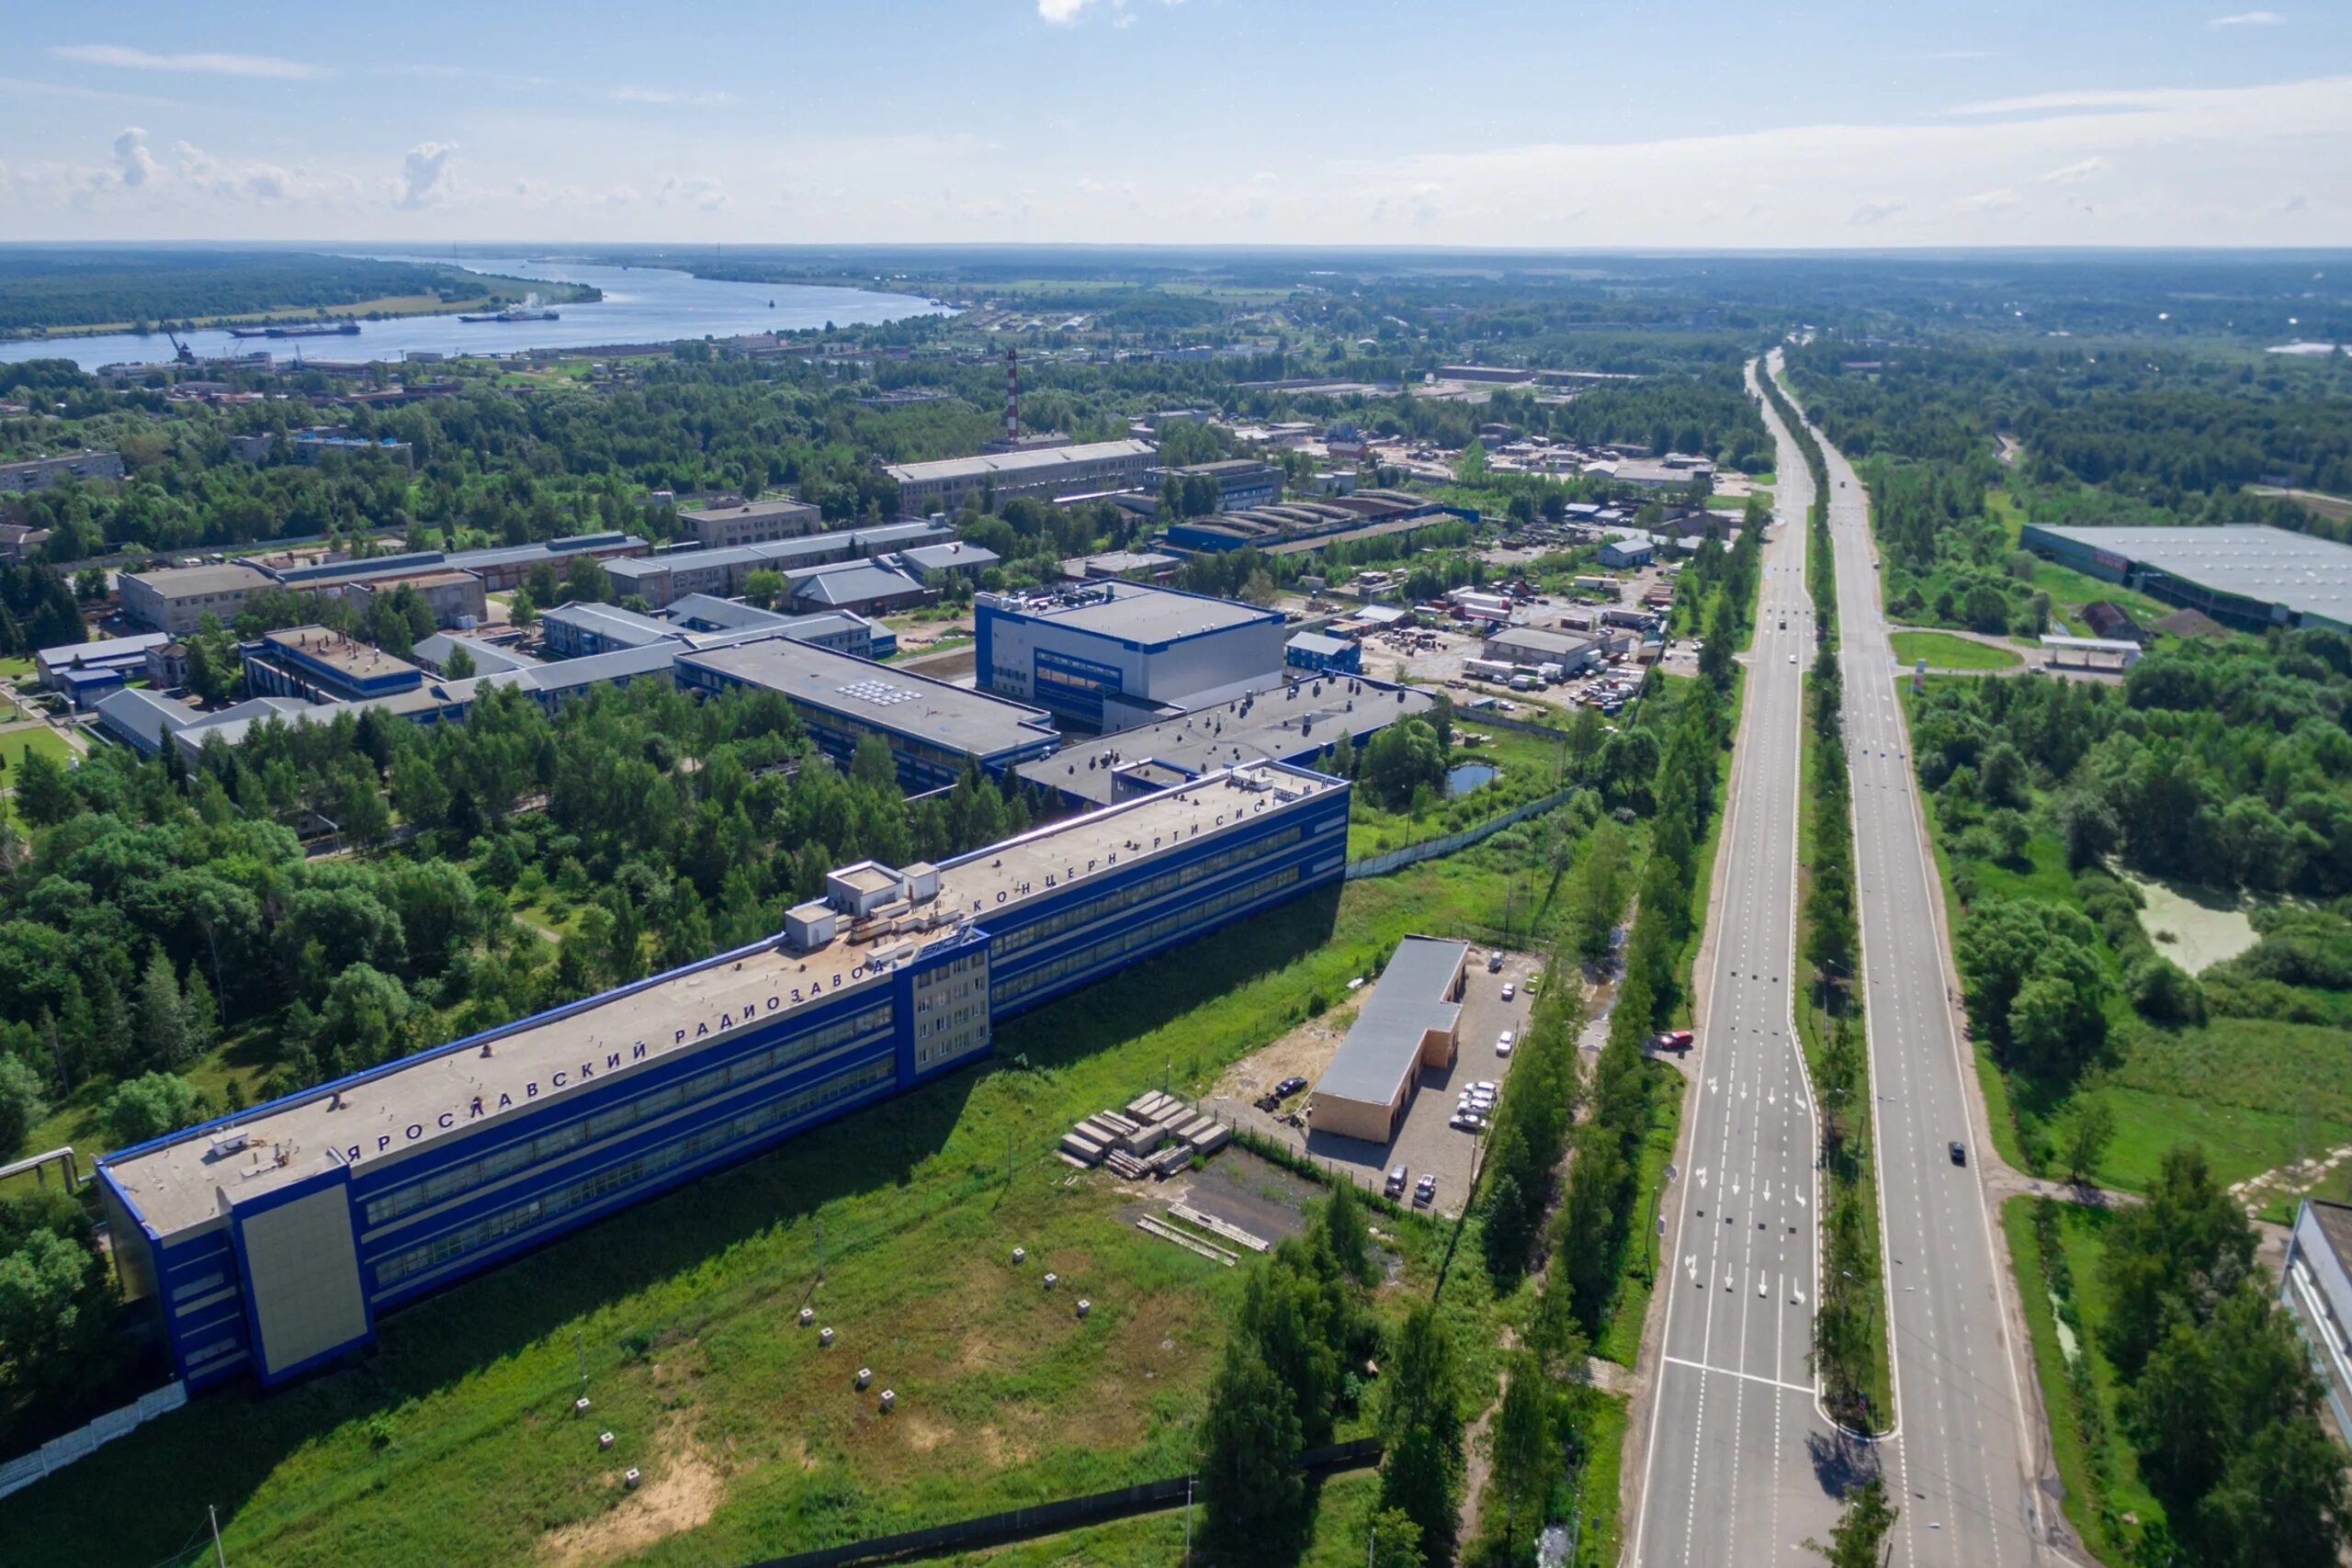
[(1466, 776)]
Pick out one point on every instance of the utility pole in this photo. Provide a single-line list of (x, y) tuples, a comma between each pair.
[(214, 1515)]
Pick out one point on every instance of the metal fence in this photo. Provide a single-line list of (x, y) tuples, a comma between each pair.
[(59, 1452), (1051, 1519), (1431, 849)]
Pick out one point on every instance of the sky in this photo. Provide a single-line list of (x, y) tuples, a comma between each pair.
[(1519, 123)]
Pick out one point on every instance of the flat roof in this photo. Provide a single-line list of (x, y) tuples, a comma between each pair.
[(1042, 459), (180, 1182), (1383, 1044), (1541, 641), (773, 508), (187, 581), (880, 696), (2271, 565), (1269, 725), (1134, 612), (611, 622), (360, 661), (132, 646)]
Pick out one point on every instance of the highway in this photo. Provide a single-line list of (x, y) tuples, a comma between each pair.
[(1737, 1450), (1958, 1466)]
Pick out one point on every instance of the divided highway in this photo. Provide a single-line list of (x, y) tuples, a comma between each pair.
[(1960, 1466), (1740, 1464), (1732, 1472)]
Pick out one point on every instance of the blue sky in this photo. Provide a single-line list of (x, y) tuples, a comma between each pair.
[(1478, 122)]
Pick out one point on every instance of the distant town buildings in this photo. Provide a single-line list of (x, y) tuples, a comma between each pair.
[(41, 473), (735, 522), (1047, 472), (725, 573), (310, 446), (1239, 481)]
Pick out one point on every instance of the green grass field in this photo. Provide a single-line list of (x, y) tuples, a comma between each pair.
[(1621, 1340), (752, 1439), (2102, 1484), (1944, 651), (15, 743)]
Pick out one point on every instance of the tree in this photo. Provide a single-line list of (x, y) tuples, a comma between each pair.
[(459, 666), (763, 587), (2179, 1251), (21, 1104), (1396, 1541), (1401, 759), (163, 1020), (44, 794), (1862, 1530), (1421, 1473), (584, 581), (148, 1107), (1252, 1498), (1345, 1235), (2087, 1135), (1520, 1445)]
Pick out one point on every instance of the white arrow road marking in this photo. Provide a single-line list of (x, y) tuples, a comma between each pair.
[(1702, 1176), (1734, 1187), (1800, 1197), (1797, 1296)]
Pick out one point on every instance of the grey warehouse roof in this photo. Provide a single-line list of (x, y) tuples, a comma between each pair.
[(878, 695), (2309, 575), (1136, 612), (1383, 1044), (1037, 460)]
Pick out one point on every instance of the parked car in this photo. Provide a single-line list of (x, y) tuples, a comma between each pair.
[(1396, 1185), (1675, 1040), (1288, 1087), (1504, 1041), (1425, 1190), (1510, 990), (1493, 964), (1468, 1122)]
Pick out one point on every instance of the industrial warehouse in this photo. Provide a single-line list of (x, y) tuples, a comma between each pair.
[(2244, 576), (1114, 654), (273, 1241)]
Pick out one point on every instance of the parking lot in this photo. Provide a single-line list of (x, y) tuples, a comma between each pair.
[(1425, 1143)]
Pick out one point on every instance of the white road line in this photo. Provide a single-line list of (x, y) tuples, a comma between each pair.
[(1744, 1377)]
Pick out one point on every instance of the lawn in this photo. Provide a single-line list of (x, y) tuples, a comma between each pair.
[(1621, 1338), (15, 743), (752, 1439), (1944, 651), (19, 667), (2101, 1476)]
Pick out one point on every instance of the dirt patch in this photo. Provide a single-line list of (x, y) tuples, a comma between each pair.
[(682, 1496), (2193, 927), (1304, 1053)]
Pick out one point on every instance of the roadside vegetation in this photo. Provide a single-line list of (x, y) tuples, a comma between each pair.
[(1944, 651), (2184, 1408)]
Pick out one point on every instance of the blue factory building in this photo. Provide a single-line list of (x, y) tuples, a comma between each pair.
[(276, 1240)]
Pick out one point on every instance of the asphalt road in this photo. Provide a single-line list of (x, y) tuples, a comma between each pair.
[(1739, 1462), (1958, 1465)]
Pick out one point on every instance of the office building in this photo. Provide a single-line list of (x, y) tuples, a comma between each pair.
[(1115, 653), (933, 730), (1536, 648), (455, 598), (310, 446), (2243, 576), (177, 599), (1318, 654), (1411, 1021), (314, 664), (735, 522), (125, 654), (996, 478), (41, 473), (277, 1239)]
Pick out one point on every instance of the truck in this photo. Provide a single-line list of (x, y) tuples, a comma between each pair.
[(1551, 674), (1493, 670)]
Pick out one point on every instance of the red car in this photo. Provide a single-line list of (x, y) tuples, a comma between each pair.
[(1675, 1040)]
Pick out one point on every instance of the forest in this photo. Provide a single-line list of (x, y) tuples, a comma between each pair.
[(56, 288)]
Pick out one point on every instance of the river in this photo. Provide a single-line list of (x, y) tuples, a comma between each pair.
[(641, 305)]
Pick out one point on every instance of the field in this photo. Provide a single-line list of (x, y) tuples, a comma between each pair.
[(682, 1309), (2070, 589), (2255, 1092), (2101, 1476), (15, 743), (1528, 767), (1944, 651)]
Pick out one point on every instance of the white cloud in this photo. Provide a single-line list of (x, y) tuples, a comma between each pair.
[(425, 174), (210, 64), (1871, 214), (1061, 12), (2076, 173), (705, 196), (633, 94), (2002, 200), (2248, 19), (134, 165)]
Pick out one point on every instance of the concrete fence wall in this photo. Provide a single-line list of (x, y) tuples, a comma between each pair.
[(1431, 849), (59, 1452)]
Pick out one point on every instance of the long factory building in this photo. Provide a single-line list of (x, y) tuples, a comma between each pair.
[(276, 1240)]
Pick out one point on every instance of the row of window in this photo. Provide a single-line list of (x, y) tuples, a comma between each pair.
[(1136, 938), (588, 1190), (1090, 910), (451, 1180)]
